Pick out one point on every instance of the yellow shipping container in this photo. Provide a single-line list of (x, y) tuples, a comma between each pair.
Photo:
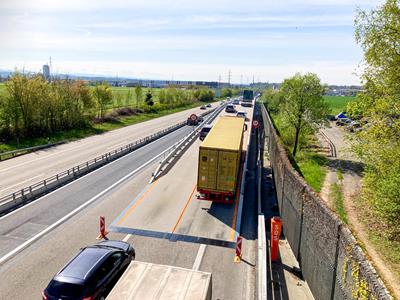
[(220, 156)]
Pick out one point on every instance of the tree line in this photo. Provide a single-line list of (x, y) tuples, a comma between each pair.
[(34, 107)]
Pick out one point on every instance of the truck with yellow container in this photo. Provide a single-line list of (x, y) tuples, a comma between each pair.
[(220, 160)]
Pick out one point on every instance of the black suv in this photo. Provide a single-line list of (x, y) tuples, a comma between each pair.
[(204, 131), (92, 273)]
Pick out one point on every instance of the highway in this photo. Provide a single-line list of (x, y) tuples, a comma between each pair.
[(71, 215), (27, 169)]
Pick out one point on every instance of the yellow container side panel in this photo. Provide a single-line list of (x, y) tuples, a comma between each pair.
[(228, 164), (208, 165)]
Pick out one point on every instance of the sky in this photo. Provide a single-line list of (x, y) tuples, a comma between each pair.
[(185, 40)]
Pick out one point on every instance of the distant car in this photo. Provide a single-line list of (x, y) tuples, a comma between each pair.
[(230, 109), (92, 273), (236, 102), (203, 107), (208, 105), (241, 114), (204, 131)]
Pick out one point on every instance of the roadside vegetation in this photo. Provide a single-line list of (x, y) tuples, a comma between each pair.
[(336, 194), (297, 110), (378, 144), (35, 112)]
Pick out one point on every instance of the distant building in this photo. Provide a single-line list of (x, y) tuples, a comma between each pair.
[(46, 72)]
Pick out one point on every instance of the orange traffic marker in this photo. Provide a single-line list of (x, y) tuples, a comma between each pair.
[(103, 231), (238, 254)]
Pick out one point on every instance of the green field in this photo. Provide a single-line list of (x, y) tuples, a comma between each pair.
[(338, 103)]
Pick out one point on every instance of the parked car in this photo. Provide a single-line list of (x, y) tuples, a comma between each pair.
[(354, 126), (230, 108), (204, 131), (92, 273), (236, 102), (208, 105), (203, 107), (343, 121)]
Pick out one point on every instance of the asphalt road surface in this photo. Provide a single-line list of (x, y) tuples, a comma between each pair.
[(25, 170), (104, 192)]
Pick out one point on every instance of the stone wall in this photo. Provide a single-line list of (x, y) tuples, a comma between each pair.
[(331, 261)]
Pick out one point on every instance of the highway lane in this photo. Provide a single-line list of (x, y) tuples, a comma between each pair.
[(21, 225), (25, 275), (24, 170)]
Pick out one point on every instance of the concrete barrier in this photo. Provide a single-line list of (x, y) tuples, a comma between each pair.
[(332, 262)]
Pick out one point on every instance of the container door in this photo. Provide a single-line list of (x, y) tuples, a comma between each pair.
[(208, 161), (227, 171)]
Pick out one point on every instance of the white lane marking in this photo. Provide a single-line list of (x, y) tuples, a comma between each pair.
[(11, 186), (40, 158), (199, 257), (75, 211), (127, 237), (80, 178)]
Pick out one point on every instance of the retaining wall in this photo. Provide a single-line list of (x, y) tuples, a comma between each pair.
[(332, 263)]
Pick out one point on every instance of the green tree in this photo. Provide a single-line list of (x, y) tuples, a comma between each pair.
[(303, 106), (139, 95), (378, 144), (128, 97), (102, 93), (149, 98), (226, 92)]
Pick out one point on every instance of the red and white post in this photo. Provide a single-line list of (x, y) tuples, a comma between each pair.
[(103, 231), (238, 254)]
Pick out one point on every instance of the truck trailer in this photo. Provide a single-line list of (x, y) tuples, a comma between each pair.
[(220, 161), (142, 280)]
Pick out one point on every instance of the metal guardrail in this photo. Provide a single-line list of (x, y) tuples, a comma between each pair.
[(262, 237), (18, 152), (179, 148), (29, 193), (332, 147)]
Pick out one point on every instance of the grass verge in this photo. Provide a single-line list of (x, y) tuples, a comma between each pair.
[(388, 249), (312, 166), (336, 194)]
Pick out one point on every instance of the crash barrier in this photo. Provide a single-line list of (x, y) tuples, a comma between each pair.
[(261, 228), (331, 261), (18, 152), (27, 194), (331, 145), (180, 147)]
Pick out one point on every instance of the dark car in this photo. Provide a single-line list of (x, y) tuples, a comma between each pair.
[(92, 273), (208, 105), (204, 131), (203, 107), (230, 109)]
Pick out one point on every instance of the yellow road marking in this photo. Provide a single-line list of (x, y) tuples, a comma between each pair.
[(183, 210), (136, 204)]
